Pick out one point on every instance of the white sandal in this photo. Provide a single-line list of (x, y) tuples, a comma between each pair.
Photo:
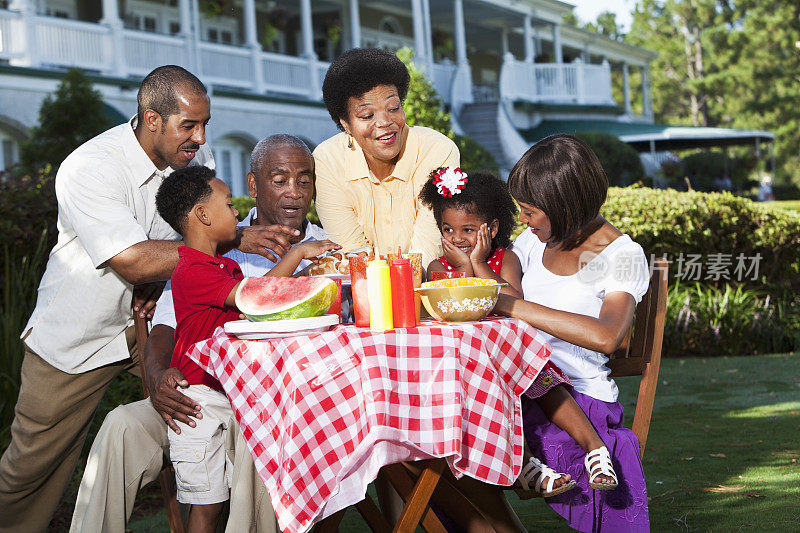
[(530, 471), (598, 462)]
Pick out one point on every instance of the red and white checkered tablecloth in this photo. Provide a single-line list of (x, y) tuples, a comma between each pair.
[(323, 413)]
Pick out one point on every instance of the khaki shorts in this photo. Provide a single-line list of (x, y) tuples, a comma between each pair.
[(202, 468)]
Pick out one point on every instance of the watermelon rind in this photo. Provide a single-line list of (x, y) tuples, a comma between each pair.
[(315, 304)]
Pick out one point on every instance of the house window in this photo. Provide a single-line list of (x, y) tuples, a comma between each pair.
[(174, 28), (225, 166), (9, 155), (226, 37), (390, 25), (213, 35), (149, 24)]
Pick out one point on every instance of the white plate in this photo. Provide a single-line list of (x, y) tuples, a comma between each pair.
[(245, 329), (344, 277)]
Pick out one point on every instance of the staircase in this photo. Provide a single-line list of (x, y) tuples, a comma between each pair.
[(479, 121)]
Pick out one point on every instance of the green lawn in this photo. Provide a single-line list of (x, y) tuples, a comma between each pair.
[(788, 205), (723, 452)]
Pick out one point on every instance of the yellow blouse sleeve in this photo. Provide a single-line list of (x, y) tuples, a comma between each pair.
[(335, 207)]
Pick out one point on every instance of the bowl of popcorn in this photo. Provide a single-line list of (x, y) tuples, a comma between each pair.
[(459, 299)]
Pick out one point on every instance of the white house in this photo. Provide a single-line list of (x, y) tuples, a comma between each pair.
[(504, 67)]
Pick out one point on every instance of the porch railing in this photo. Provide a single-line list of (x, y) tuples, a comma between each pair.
[(567, 83)]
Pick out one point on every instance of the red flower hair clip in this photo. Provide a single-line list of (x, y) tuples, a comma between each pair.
[(449, 181)]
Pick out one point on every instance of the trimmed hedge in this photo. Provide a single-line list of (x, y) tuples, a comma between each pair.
[(671, 223)]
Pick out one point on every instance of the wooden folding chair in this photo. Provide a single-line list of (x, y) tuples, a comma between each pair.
[(166, 478), (641, 354)]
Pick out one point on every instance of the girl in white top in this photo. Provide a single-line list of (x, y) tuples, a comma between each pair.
[(582, 279)]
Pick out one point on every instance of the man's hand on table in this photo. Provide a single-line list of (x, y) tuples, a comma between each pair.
[(170, 403), (145, 297), (270, 241)]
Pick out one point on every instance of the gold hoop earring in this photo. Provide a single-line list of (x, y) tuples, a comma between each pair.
[(350, 142)]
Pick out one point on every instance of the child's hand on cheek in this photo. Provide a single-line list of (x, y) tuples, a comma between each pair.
[(457, 259), (483, 245)]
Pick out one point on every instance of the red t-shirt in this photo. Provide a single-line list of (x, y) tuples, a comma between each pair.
[(200, 285)]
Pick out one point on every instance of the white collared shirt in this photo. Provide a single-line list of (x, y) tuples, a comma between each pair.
[(106, 193), (252, 265)]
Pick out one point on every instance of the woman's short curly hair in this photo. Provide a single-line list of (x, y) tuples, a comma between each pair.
[(358, 71), (485, 195)]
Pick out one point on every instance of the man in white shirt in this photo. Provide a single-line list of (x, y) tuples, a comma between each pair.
[(111, 238), (127, 452)]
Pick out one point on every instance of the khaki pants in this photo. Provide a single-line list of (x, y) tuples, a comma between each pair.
[(128, 454), (52, 417)]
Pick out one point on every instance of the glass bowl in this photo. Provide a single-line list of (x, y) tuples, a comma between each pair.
[(459, 300)]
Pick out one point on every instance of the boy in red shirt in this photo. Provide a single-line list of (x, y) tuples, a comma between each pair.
[(198, 206)]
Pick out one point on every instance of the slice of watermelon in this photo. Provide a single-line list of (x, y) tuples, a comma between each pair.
[(262, 299)]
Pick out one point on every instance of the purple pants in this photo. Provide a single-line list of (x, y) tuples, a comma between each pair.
[(623, 509)]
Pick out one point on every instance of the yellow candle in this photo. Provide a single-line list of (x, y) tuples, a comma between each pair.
[(379, 288)]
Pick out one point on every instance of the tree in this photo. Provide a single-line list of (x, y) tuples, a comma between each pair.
[(423, 107), (728, 64), (67, 119)]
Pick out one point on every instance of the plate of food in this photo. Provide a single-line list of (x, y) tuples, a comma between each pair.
[(336, 264), (246, 329)]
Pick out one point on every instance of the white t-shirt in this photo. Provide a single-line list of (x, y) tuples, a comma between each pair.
[(106, 192), (252, 265), (621, 266)]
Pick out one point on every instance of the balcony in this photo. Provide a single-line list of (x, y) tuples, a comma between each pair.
[(556, 83)]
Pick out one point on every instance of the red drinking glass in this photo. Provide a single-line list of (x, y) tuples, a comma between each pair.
[(358, 285)]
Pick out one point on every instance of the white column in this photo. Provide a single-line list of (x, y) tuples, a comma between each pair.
[(647, 103), (355, 25), (307, 25), (504, 40), (27, 41), (528, 37), (185, 12), (426, 17), (251, 42), (558, 52), (187, 33), (626, 88), (460, 32), (579, 82), (196, 38), (115, 57), (419, 31), (462, 82)]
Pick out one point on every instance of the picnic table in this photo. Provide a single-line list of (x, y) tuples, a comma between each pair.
[(322, 413)]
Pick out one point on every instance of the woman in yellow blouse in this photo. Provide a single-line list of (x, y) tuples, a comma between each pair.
[(369, 176)]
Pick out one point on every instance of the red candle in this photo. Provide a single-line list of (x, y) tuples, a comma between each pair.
[(404, 311)]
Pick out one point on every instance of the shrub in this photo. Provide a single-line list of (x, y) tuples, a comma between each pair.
[(703, 320), (620, 161), (675, 224), (21, 273), (27, 207), (67, 119)]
